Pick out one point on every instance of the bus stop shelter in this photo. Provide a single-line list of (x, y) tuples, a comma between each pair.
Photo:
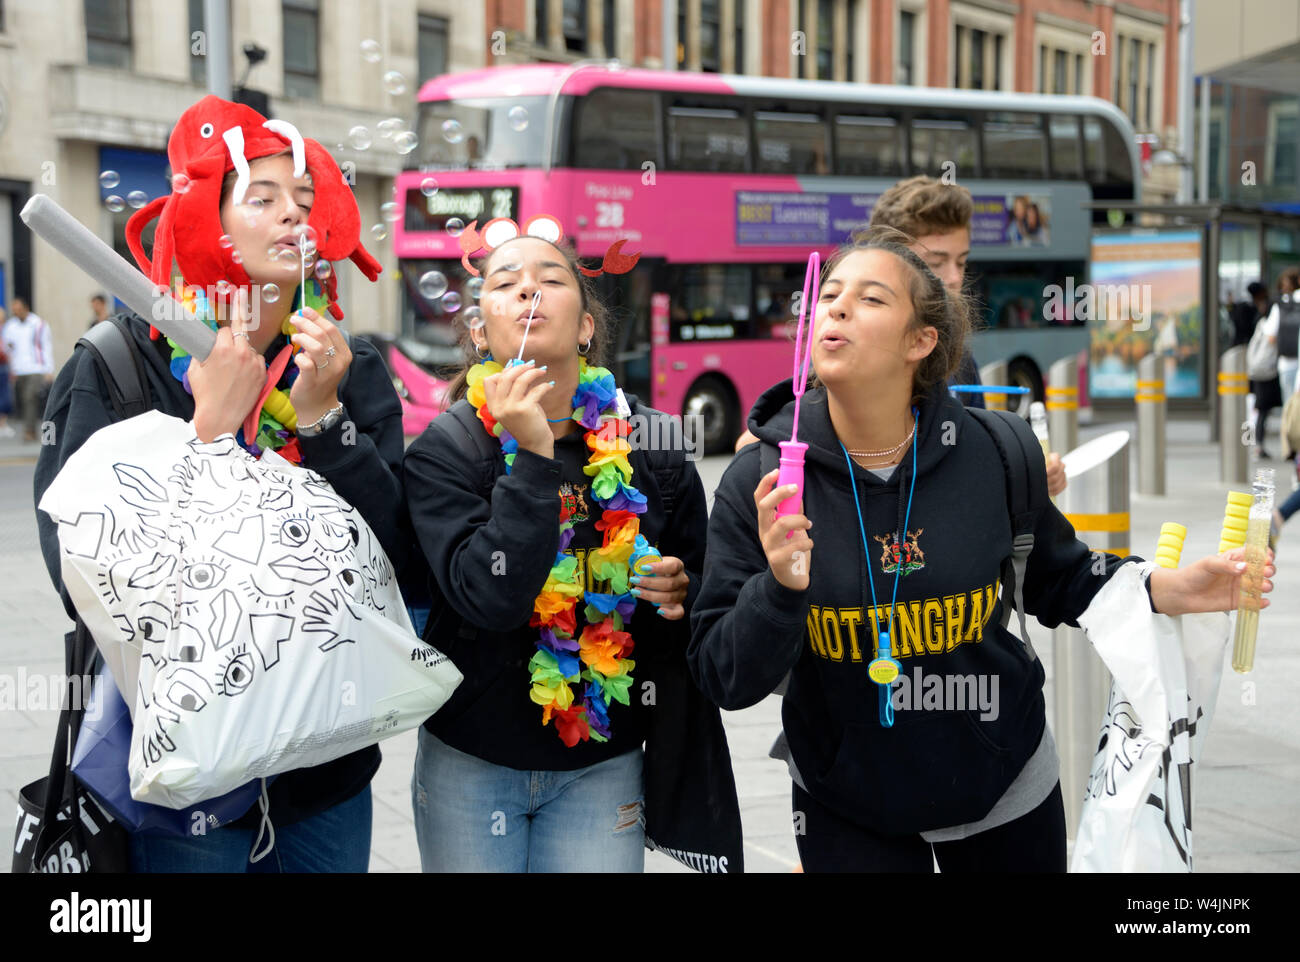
[(1211, 218)]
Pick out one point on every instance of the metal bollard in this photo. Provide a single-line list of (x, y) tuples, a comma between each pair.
[(1150, 400), (1097, 504), (995, 373), (1063, 404), (1234, 385)]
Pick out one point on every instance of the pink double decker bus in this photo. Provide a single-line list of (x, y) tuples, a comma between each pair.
[(724, 184)]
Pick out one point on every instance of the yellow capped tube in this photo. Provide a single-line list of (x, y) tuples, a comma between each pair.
[(1169, 549), (1235, 519)]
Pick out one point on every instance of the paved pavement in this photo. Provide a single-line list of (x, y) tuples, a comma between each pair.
[(1248, 782)]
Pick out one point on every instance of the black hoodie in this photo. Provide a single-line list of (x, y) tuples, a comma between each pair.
[(491, 539), (366, 473), (933, 768)]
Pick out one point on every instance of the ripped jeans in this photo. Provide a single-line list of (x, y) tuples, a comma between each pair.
[(474, 816)]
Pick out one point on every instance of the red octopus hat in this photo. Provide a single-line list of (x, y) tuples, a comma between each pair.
[(211, 139)]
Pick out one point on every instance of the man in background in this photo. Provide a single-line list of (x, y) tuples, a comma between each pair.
[(98, 305), (30, 346)]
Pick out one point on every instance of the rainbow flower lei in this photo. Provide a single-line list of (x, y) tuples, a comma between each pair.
[(277, 422), (603, 646)]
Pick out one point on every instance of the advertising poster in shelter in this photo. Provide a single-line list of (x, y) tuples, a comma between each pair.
[(1145, 297)]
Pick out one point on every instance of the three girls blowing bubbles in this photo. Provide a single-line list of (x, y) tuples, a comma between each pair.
[(894, 461)]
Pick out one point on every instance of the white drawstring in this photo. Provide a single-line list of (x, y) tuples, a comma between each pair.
[(264, 802)]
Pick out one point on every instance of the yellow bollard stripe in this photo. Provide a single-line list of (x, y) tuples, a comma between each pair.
[(1233, 376), (1062, 405), (1063, 391), (1150, 385), (1149, 398), (1233, 390), (1114, 521)]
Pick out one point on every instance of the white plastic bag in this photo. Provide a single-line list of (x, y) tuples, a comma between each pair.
[(1137, 813), (251, 613)]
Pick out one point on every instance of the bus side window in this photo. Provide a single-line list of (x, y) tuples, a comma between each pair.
[(868, 146), (937, 141), (707, 138), (615, 129)]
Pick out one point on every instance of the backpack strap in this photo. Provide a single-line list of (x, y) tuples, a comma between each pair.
[(119, 366), (1022, 461)]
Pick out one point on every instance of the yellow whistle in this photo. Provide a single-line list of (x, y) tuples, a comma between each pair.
[(1235, 519), (1169, 549)]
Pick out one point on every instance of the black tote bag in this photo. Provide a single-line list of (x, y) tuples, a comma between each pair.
[(49, 839)]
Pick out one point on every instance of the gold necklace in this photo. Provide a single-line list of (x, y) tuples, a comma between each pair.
[(885, 452)]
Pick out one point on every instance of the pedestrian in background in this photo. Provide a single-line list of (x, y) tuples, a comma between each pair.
[(1246, 314), (6, 394), (31, 363), (99, 309), (1285, 318)]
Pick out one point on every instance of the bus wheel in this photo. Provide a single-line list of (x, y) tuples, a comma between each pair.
[(1023, 372), (711, 400)]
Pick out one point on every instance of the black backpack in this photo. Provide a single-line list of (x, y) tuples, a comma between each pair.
[(1019, 449), (1288, 328)]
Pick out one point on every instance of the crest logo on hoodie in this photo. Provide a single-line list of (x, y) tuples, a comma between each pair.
[(907, 555)]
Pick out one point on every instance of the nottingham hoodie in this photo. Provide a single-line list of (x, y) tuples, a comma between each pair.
[(960, 740), (365, 470)]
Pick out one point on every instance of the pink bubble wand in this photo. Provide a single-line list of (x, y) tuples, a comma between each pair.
[(792, 451)]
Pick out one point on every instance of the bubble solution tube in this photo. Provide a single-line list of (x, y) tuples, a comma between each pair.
[(1252, 579), (792, 451)]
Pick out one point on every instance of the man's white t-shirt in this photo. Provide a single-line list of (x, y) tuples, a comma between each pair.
[(30, 346)]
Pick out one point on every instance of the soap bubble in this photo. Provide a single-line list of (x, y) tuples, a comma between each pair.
[(370, 51), (225, 242), (429, 186), (474, 287), (389, 126), (224, 287), (455, 226), (390, 211), (432, 285), (237, 257), (513, 260), (270, 293), (452, 131), (323, 270), (394, 83), (379, 231), (473, 318), (180, 184), (305, 237), (405, 142), (114, 203), (137, 199), (451, 302), (108, 179), (359, 137), (518, 117)]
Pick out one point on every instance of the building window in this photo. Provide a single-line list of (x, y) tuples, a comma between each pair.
[(541, 22), (978, 59), (1150, 85), (108, 33), (575, 25), (905, 71), (1135, 81), (1134, 61), (710, 36), (1078, 73), (198, 62), (432, 46), (739, 63), (825, 41), (611, 33), (301, 49)]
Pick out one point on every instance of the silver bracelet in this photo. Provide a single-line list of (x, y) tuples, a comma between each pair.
[(322, 423)]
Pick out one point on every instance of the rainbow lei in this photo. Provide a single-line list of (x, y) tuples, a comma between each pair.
[(603, 646), (278, 422)]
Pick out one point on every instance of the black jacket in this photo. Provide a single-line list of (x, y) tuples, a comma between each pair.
[(491, 539), (933, 768), (366, 473)]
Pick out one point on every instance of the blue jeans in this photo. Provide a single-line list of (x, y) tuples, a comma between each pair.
[(336, 840), (473, 816)]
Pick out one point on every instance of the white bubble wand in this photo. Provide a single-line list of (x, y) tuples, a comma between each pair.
[(537, 297)]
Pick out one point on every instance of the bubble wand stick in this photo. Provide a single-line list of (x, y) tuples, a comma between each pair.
[(792, 451), (528, 325)]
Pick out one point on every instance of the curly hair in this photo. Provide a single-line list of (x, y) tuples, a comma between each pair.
[(933, 305), (922, 205), (590, 304)]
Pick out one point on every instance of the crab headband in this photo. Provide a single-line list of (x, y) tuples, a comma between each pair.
[(210, 140), (544, 227)]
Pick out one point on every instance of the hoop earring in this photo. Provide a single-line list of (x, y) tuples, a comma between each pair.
[(585, 348), (481, 356)]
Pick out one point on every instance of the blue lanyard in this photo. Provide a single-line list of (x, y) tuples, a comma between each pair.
[(884, 668)]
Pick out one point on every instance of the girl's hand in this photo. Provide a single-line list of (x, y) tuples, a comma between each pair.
[(790, 558), (228, 383), (1211, 584), (666, 587), (514, 397), (1055, 475), (316, 389)]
